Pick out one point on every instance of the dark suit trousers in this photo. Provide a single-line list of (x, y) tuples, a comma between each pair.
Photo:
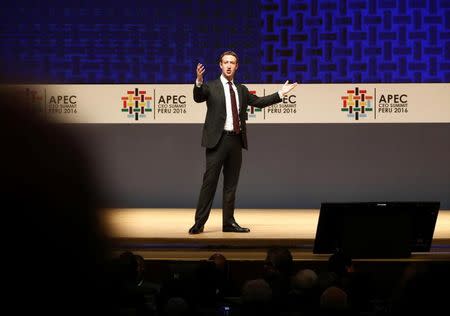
[(227, 154)]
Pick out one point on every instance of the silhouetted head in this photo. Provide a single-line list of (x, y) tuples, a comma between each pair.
[(278, 261), (340, 263)]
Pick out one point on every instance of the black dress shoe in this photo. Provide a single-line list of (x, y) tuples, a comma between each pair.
[(235, 228), (196, 230)]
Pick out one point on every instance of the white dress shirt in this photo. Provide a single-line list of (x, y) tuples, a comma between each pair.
[(226, 87)]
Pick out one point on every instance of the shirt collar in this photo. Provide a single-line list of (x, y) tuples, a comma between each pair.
[(225, 80)]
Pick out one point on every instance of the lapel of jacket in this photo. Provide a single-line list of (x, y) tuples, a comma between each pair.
[(220, 91), (240, 96)]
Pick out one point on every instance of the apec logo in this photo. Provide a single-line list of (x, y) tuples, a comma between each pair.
[(393, 103), (171, 104), (252, 111), (34, 99), (136, 104), (357, 103), (62, 104), (288, 105)]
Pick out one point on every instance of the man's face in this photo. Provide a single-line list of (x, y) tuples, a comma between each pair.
[(229, 65)]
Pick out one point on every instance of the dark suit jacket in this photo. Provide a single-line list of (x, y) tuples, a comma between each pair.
[(214, 95)]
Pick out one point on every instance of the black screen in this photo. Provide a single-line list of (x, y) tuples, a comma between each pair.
[(376, 229)]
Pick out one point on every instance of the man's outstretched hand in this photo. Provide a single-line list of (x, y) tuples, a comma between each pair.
[(200, 72), (286, 88)]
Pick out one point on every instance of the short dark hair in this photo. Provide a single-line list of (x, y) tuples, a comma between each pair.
[(280, 258), (338, 262), (229, 52)]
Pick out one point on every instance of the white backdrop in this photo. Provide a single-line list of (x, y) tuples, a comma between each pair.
[(308, 103)]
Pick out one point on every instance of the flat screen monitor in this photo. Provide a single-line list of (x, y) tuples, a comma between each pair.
[(376, 229)]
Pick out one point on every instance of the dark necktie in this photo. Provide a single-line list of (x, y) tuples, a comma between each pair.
[(234, 109)]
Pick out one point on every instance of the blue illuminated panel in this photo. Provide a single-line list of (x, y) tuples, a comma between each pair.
[(356, 41), (162, 41)]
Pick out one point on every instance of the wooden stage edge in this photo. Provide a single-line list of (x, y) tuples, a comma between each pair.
[(162, 234)]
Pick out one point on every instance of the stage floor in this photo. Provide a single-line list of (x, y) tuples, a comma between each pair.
[(162, 234)]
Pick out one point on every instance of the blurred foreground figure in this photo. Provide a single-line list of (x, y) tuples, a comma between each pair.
[(57, 256)]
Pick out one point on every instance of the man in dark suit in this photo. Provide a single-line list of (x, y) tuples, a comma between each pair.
[(224, 136)]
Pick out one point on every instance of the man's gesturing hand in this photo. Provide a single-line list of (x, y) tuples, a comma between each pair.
[(286, 88), (200, 72)]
